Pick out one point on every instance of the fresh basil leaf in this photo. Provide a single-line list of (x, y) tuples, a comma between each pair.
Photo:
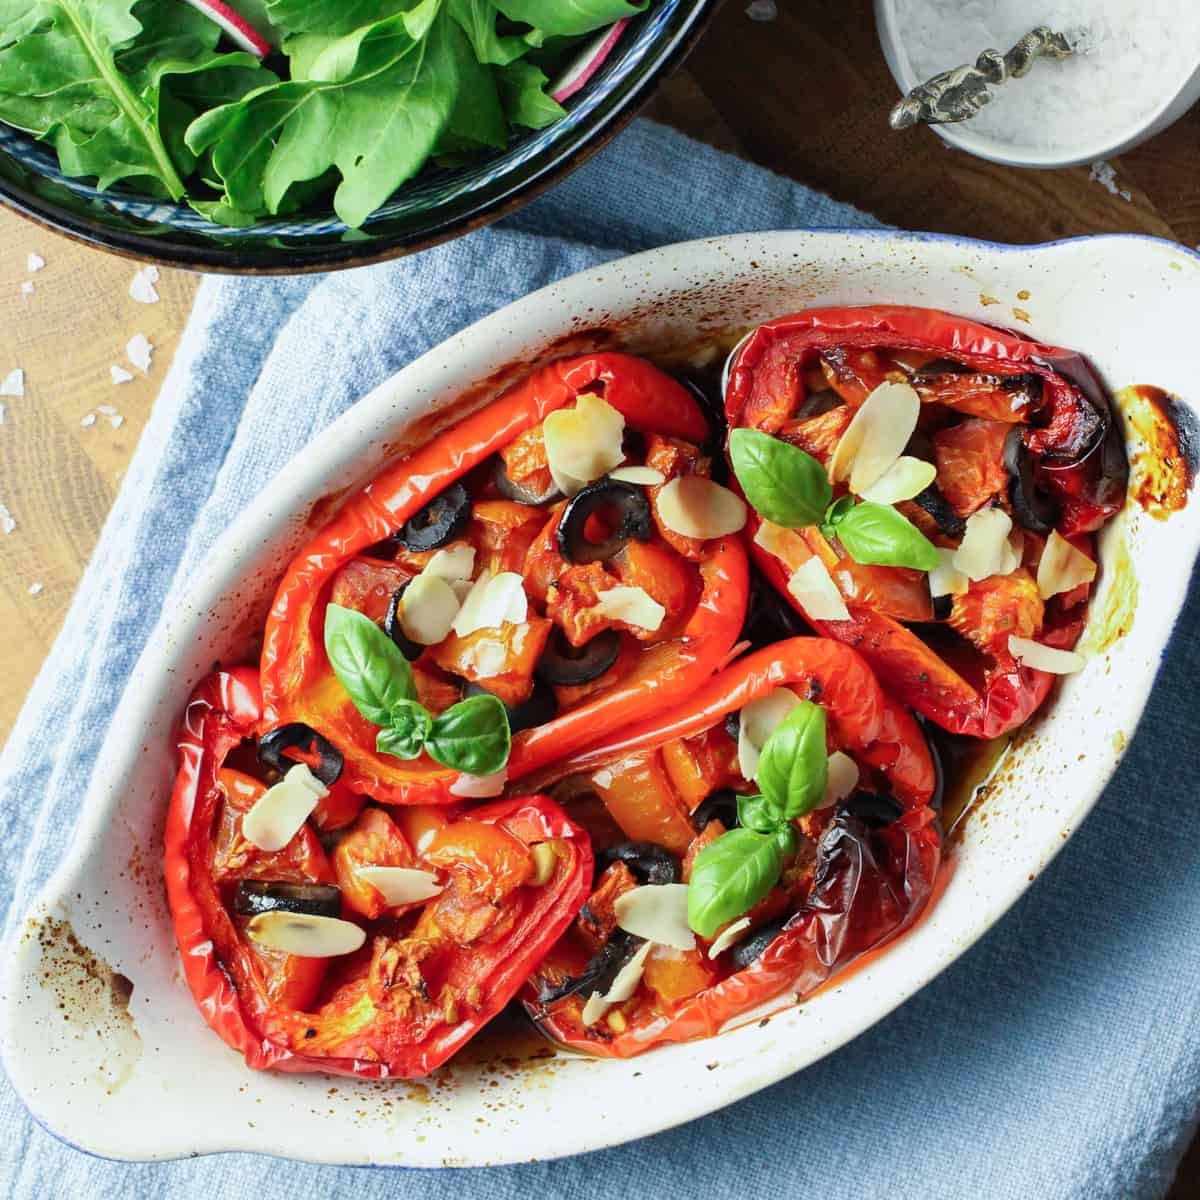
[(472, 736), (410, 728), (522, 89), (794, 766), (782, 482), (786, 840), (558, 19), (759, 813), (834, 514), (729, 877), (877, 534), (368, 664)]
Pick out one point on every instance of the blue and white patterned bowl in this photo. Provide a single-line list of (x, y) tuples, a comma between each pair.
[(439, 204)]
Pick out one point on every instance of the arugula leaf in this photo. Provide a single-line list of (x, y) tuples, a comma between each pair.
[(522, 89), (730, 876), (567, 18), (477, 19), (794, 765), (782, 482), (472, 736), (477, 118), (877, 534), (329, 16), (375, 107), (367, 663)]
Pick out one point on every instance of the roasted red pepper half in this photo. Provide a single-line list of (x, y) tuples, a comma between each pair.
[(1008, 422), (702, 586), (429, 975), (864, 871)]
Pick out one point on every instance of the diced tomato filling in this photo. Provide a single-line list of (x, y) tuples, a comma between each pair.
[(494, 861), (501, 659), (979, 395), (374, 841), (673, 975), (699, 765), (855, 374), (525, 461), (436, 690), (637, 792), (367, 585), (970, 463), (598, 918), (997, 607), (819, 435), (502, 532)]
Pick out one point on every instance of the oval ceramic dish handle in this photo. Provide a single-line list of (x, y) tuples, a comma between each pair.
[(958, 94)]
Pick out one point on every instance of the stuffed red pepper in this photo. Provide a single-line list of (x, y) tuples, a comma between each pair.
[(926, 489)]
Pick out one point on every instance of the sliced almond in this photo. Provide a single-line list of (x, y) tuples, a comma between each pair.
[(698, 508), (428, 610), (401, 885), (583, 443), (816, 593), (728, 935), (1045, 658), (623, 986), (1062, 568), (841, 780), (493, 601), (453, 564), (657, 912), (785, 544), (479, 787), (645, 476), (631, 605), (876, 436), (985, 550), (545, 860), (946, 579), (905, 478), (305, 935), (280, 812), (757, 721)]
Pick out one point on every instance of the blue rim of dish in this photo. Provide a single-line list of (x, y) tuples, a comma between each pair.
[(437, 205)]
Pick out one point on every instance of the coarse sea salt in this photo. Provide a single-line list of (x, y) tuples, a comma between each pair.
[(13, 383), (141, 286), (7, 521), (138, 350), (1132, 58), (35, 262), (118, 374)]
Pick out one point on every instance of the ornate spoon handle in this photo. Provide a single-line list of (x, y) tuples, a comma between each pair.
[(958, 94)]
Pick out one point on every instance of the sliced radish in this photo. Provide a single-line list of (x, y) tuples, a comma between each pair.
[(280, 812), (905, 478), (657, 912), (842, 778), (1045, 658), (876, 436), (946, 579), (985, 549), (1062, 568), (428, 610), (583, 443), (758, 720), (586, 63), (625, 984), (235, 26), (632, 606), (696, 507), (647, 476), (305, 935), (728, 936), (479, 787), (401, 885), (816, 593)]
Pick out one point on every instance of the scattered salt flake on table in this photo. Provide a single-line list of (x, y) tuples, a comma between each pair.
[(116, 420), (762, 10), (119, 374), (7, 521), (35, 589), (138, 350), (13, 383), (142, 288), (27, 288), (107, 409), (1105, 174), (35, 262), (90, 419)]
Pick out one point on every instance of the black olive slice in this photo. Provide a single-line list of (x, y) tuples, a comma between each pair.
[(874, 809), (564, 665), (392, 626), (938, 507), (933, 739), (733, 723), (529, 714), (254, 896), (514, 491), (1032, 509), (321, 756), (712, 403), (943, 606), (600, 971), (443, 519), (745, 952), (649, 862), (609, 495), (720, 805)]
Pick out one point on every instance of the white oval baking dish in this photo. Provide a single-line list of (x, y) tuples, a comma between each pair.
[(142, 1077)]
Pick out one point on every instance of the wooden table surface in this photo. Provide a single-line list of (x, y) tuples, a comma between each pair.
[(820, 117)]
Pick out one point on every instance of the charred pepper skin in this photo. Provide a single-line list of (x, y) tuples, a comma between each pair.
[(1075, 441), (225, 709), (870, 884), (295, 670)]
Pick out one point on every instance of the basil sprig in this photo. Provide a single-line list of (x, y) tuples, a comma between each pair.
[(789, 486), (471, 736), (732, 874)]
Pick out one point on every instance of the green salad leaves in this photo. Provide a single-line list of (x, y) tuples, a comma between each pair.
[(363, 94)]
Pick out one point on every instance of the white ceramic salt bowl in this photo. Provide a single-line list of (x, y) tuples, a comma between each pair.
[(964, 137), (144, 1077)]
